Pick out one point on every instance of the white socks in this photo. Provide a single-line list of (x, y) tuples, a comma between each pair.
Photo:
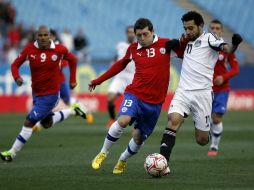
[(114, 133), (130, 150), (21, 139), (59, 116), (216, 130), (62, 115)]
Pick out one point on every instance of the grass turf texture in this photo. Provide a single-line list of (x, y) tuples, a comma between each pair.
[(60, 158)]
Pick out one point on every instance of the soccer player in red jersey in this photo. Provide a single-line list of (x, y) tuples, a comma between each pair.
[(143, 98), (44, 57), (221, 88)]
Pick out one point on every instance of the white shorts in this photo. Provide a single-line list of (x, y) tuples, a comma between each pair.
[(198, 102), (118, 85)]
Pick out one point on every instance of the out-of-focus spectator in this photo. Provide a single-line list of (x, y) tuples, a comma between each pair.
[(13, 35), (81, 47), (28, 37), (67, 39), (7, 16)]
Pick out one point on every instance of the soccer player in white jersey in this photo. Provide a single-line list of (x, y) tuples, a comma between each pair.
[(194, 93), (124, 78)]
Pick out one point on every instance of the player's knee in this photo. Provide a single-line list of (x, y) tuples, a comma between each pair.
[(47, 122), (124, 120), (174, 122), (202, 140), (216, 118)]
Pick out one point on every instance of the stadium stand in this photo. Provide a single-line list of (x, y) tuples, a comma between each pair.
[(102, 21), (236, 15)]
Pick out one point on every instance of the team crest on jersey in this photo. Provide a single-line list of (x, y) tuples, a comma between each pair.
[(54, 57), (197, 43), (162, 50), (124, 109), (221, 57)]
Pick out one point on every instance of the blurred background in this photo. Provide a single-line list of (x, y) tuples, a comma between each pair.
[(91, 29)]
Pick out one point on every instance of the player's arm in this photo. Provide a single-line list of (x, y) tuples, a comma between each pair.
[(72, 63), (177, 45), (16, 64), (231, 48), (234, 67), (218, 44), (116, 68)]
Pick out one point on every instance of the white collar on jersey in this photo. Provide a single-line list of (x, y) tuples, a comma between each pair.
[(155, 39), (52, 44)]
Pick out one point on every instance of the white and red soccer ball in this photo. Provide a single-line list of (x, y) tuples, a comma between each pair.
[(155, 165)]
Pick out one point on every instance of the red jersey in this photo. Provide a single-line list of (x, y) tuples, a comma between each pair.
[(63, 64), (221, 70), (44, 66), (151, 78)]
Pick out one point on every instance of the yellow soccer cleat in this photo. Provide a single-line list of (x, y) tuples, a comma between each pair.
[(119, 167), (97, 161), (37, 128), (89, 118)]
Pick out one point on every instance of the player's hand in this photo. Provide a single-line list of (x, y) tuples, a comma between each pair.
[(236, 39), (218, 80), (19, 81), (91, 87), (73, 85)]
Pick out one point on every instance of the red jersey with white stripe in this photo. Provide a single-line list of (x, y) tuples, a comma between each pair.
[(44, 66), (221, 70), (151, 78)]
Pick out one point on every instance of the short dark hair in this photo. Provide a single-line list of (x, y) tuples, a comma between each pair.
[(53, 32), (216, 21), (141, 23), (128, 27), (193, 15)]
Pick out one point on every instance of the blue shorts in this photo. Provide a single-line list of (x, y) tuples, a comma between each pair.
[(42, 107), (65, 92), (220, 102), (144, 115)]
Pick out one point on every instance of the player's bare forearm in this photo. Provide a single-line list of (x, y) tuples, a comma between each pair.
[(229, 48)]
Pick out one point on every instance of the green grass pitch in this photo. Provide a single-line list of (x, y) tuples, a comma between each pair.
[(60, 158)]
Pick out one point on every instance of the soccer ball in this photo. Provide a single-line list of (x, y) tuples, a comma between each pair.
[(155, 164)]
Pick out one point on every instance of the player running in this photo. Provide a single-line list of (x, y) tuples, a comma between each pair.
[(194, 93), (124, 78), (143, 98), (65, 93), (44, 57), (221, 88)]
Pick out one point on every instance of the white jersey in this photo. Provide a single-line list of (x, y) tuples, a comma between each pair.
[(129, 71), (200, 57)]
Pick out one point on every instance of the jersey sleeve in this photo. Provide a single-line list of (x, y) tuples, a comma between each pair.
[(215, 42), (234, 67), (116, 68), (18, 62), (72, 63)]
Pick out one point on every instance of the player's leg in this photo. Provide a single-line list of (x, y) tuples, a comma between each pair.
[(201, 108), (116, 88), (218, 110), (178, 109), (111, 98), (175, 121), (41, 108), (144, 126), (65, 93), (127, 112), (59, 116)]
